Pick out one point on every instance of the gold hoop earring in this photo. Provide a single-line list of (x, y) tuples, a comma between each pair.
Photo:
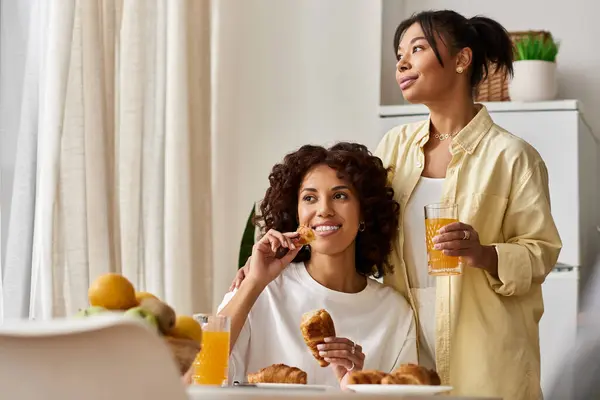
[(460, 70)]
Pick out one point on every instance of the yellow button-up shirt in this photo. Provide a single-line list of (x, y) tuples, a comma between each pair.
[(487, 336)]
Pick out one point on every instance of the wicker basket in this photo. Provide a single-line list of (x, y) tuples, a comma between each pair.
[(184, 352), (495, 86)]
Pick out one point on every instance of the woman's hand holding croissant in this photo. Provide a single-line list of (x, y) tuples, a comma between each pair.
[(344, 356), (264, 264)]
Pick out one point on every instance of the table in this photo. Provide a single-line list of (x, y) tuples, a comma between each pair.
[(216, 393)]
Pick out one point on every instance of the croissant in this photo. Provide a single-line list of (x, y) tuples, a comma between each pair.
[(366, 377), (307, 235), (406, 374), (399, 379), (278, 373), (315, 327), (412, 374)]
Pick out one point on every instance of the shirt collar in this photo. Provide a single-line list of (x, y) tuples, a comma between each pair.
[(467, 138)]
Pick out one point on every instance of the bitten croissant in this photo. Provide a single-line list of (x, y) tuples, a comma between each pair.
[(278, 373), (307, 235), (315, 327)]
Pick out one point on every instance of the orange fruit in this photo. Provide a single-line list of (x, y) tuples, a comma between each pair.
[(113, 292), (187, 327), (139, 296)]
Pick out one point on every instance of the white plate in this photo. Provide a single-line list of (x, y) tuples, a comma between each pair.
[(294, 386), (410, 390)]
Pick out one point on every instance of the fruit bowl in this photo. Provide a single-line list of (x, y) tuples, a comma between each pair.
[(184, 351), (113, 294)]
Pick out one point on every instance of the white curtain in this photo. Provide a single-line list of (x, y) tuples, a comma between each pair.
[(1, 267), (24, 71), (123, 154)]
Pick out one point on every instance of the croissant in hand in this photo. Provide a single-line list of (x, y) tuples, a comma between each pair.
[(278, 373), (315, 327)]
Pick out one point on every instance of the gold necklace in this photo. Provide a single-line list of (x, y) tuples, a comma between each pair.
[(442, 136)]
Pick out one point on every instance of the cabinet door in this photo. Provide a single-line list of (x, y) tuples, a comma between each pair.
[(558, 326)]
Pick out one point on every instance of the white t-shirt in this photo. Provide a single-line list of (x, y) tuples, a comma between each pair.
[(427, 191), (377, 318)]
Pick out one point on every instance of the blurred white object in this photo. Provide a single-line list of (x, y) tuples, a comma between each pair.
[(578, 378), (558, 326), (89, 358)]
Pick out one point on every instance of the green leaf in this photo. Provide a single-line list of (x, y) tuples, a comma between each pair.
[(534, 47), (247, 240)]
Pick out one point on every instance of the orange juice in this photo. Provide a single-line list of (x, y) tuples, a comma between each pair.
[(437, 262), (211, 364)]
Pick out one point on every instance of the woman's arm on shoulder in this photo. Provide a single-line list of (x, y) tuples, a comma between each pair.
[(532, 243)]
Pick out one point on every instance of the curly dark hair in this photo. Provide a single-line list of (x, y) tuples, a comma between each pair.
[(367, 175)]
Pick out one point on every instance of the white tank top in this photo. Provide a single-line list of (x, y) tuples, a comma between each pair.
[(427, 191)]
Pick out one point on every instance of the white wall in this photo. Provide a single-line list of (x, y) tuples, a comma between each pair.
[(393, 13), (574, 23), (288, 73)]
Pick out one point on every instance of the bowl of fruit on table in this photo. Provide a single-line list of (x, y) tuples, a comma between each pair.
[(113, 294)]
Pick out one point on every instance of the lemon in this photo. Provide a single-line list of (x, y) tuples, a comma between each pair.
[(113, 292), (187, 327)]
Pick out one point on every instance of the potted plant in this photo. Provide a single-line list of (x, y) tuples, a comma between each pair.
[(248, 239), (534, 69)]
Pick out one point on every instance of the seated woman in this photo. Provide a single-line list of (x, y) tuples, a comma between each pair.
[(341, 193)]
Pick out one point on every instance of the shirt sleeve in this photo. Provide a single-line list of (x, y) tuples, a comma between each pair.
[(531, 241), (408, 352), (238, 359)]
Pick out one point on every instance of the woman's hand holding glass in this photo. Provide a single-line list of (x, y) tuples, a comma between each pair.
[(462, 240)]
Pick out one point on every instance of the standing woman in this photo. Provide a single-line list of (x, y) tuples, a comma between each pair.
[(479, 329)]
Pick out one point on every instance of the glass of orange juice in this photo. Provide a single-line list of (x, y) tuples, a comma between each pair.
[(212, 362), (437, 216)]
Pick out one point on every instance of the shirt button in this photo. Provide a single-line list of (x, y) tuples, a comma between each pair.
[(419, 165)]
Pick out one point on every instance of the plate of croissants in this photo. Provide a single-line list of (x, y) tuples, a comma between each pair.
[(278, 376), (408, 379)]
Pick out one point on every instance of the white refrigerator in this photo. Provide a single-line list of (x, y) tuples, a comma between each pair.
[(557, 129)]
